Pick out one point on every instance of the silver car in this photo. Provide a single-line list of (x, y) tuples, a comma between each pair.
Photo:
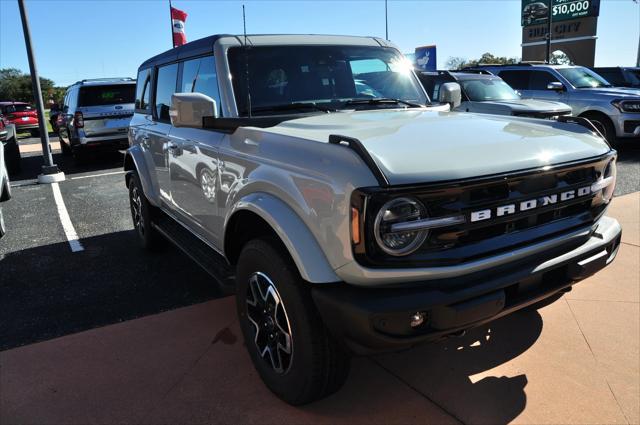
[(96, 115), (308, 176), (615, 110), (488, 94)]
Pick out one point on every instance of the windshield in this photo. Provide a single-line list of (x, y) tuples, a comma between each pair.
[(583, 78), (322, 76), (107, 95), (488, 89)]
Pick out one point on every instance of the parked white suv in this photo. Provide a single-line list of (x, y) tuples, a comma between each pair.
[(307, 174), (96, 115)]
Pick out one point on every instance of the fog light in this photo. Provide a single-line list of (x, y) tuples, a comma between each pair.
[(417, 319)]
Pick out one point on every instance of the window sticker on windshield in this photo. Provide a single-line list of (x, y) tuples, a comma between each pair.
[(304, 68)]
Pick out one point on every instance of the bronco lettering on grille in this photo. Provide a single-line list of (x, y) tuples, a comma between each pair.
[(529, 204)]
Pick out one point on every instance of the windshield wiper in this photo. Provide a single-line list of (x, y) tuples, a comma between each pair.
[(296, 106), (381, 101)]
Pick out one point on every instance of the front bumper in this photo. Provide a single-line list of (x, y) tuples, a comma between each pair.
[(378, 319), (628, 125)]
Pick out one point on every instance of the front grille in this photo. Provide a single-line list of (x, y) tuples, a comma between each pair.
[(473, 240)]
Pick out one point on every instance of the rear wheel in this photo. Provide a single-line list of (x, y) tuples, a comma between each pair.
[(64, 147), (141, 212), (290, 347)]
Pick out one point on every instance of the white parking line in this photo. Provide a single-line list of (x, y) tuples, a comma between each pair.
[(69, 231), (97, 175)]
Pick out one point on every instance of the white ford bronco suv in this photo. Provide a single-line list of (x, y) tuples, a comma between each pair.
[(312, 176)]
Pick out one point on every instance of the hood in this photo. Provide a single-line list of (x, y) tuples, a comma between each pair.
[(418, 146), (614, 92), (531, 105)]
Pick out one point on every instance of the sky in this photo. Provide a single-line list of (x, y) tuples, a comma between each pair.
[(77, 39)]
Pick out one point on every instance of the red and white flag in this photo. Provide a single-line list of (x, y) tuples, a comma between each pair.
[(178, 17)]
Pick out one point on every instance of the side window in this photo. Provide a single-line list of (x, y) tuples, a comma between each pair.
[(518, 80), (142, 91), (540, 80), (165, 87), (199, 76), (72, 99)]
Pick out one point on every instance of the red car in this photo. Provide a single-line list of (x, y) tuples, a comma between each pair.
[(23, 115)]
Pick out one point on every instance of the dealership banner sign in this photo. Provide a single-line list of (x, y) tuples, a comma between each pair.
[(425, 58), (536, 12)]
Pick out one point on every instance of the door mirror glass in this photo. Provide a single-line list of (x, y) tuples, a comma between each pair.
[(555, 85), (188, 109), (450, 93)]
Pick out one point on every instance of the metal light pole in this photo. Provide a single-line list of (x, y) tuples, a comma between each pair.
[(50, 171), (549, 14), (386, 22)]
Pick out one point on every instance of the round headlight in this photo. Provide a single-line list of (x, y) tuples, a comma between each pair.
[(399, 210), (610, 171)]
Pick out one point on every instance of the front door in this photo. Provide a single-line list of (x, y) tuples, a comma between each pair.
[(158, 132), (194, 176)]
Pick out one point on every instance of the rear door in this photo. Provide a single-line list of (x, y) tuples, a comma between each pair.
[(193, 159), (532, 84), (157, 131), (106, 109)]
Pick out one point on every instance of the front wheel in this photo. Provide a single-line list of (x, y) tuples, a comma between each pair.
[(141, 215), (289, 346), (604, 125)]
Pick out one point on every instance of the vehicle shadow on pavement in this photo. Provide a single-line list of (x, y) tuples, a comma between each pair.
[(31, 164), (456, 373), (48, 291)]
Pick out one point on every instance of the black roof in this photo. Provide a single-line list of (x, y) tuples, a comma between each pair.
[(193, 48)]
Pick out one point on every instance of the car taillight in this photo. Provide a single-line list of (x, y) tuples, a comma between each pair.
[(78, 120)]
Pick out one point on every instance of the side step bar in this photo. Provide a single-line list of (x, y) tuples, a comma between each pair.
[(207, 258)]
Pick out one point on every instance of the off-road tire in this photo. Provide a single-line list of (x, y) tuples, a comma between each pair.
[(141, 214), (318, 365)]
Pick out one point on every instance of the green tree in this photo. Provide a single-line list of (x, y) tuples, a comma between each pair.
[(16, 85), (560, 58), (454, 63)]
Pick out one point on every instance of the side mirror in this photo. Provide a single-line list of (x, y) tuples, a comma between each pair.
[(450, 93), (188, 109), (555, 85)]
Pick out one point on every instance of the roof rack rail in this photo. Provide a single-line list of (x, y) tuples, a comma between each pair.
[(87, 80), (474, 71)]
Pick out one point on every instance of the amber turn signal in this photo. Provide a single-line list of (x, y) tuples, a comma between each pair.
[(355, 226)]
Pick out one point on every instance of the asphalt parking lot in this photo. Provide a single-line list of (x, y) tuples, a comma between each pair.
[(559, 363), (49, 291)]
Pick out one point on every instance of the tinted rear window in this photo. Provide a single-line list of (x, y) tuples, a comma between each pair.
[(107, 95), (19, 108)]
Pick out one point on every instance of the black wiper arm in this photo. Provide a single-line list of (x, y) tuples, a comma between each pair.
[(292, 107), (381, 101)]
